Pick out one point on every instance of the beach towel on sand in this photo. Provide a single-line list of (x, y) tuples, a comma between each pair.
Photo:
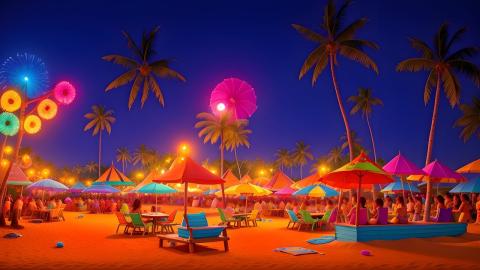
[(295, 251), (321, 240)]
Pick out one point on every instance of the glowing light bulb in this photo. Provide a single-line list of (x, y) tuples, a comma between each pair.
[(221, 107), (25, 78)]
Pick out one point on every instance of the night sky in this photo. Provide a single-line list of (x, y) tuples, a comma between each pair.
[(251, 40)]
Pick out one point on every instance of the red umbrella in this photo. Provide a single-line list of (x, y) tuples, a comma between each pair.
[(235, 96)]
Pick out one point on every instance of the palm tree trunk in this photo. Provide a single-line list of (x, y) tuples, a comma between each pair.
[(238, 165), (301, 171), (99, 152), (340, 105), (374, 151), (426, 215)]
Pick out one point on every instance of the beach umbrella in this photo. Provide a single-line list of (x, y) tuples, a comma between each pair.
[(261, 181), (401, 166), (439, 173), (471, 186), (316, 191), (113, 177), (16, 177), (230, 179), (246, 189), (307, 181), (211, 192), (472, 167), (359, 171), (77, 188), (48, 185), (184, 171), (246, 179), (235, 96), (397, 187), (279, 181), (285, 191), (101, 189), (155, 188)]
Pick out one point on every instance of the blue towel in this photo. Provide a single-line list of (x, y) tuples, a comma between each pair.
[(321, 240), (295, 251)]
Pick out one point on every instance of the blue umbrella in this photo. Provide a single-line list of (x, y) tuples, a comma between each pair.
[(102, 189), (317, 190), (472, 186), (154, 188), (398, 186), (77, 188), (48, 185), (210, 192)]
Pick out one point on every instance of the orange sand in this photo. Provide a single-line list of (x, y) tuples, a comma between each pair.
[(90, 242)]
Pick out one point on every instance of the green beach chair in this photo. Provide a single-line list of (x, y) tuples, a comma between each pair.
[(137, 223), (227, 220), (307, 219)]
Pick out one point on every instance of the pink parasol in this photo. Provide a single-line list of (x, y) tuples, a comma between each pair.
[(437, 172), (400, 165), (235, 96), (285, 191)]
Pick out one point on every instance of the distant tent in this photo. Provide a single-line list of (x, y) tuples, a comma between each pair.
[(261, 181), (17, 177), (77, 188), (113, 177), (246, 179), (279, 181), (147, 180), (230, 179), (307, 181)]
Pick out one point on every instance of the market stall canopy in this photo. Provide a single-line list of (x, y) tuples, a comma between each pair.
[(246, 189), (472, 167), (113, 177), (285, 191), (48, 185), (17, 177), (261, 181), (471, 186), (399, 187), (230, 179), (101, 189), (279, 181), (246, 179), (77, 188), (147, 180), (438, 172), (155, 188), (185, 170), (307, 181)]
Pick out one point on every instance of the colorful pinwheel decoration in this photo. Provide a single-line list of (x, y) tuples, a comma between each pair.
[(234, 96)]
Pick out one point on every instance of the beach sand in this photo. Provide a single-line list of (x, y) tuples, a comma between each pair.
[(90, 242)]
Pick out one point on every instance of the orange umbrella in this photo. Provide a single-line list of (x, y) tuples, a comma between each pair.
[(279, 181), (307, 181), (230, 179), (472, 167)]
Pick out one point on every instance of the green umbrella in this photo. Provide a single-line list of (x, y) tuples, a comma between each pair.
[(155, 188)]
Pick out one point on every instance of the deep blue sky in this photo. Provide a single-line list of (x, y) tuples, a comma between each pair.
[(252, 40)]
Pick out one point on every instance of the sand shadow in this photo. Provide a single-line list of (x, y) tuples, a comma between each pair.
[(200, 250)]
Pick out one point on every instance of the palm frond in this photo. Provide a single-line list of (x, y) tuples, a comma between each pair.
[(134, 91), (132, 45), (429, 85), (415, 64), (358, 56), (451, 86), (156, 90), (122, 79), (144, 92), (467, 68), (455, 38), (312, 58), (121, 60), (350, 31), (421, 46), (309, 34)]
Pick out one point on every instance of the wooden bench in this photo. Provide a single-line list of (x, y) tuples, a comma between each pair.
[(192, 241)]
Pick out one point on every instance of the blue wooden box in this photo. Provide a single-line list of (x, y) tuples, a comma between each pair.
[(350, 233)]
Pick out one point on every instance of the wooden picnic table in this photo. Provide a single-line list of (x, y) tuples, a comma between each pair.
[(317, 214), (242, 217), (277, 212), (155, 217)]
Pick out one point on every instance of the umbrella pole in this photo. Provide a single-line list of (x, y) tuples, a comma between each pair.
[(246, 202), (410, 188), (403, 188), (358, 199), (156, 203), (185, 206), (223, 196), (338, 205)]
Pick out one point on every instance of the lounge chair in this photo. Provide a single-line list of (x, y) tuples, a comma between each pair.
[(293, 219), (307, 219), (445, 215), (137, 223), (167, 225), (122, 221), (329, 218), (198, 231), (227, 220), (362, 219), (252, 218)]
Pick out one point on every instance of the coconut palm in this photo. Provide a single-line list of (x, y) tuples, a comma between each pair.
[(142, 155), (142, 69), (442, 66), (301, 155), (123, 156), (100, 120), (236, 137), (334, 40), (91, 167), (283, 159), (356, 143), (364, 103), (336, 157), (470, 120), (215, 128), (319, 163)]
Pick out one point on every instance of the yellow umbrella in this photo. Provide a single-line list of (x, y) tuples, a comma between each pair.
[(246, 189), (472, 167)]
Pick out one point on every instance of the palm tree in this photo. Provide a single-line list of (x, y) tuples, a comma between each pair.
[(238, 136), (91, 167), (123, 156), (142, 69), (332, 41), (356, 143), (283, 158), (335, 157), (100, 120), (214, 128), (470, 120), (142, 155), (364, 102), (442, 67), (301, 155)]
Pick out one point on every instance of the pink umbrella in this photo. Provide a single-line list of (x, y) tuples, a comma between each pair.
[(401, 166), (437, 172), (285, 191), (235, 96)]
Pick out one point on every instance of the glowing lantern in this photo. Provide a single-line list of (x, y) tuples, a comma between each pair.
[(47, 109), (5, 162), (9, 124), (221, 107), (64, 92), (8, 150), (10, 101), (32, 124), (26, 161)]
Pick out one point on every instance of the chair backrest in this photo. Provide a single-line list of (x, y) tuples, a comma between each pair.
[(223, 218), (196, 220), (292, 215), (121, 218), (171, 217), (382, 216), (326, 216), (306, 216), (362, 217), (333, 216), (136, 219), (253, 214), (445, 215)]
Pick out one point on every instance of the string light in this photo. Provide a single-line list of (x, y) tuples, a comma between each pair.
[(32, 124)]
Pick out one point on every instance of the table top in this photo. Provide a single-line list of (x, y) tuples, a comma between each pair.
[(241, 214), (154, 214), (317, 214)]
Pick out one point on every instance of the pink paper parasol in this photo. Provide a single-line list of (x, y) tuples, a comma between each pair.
[(400, 165), (235, 96), (285, 191), (437, 172)]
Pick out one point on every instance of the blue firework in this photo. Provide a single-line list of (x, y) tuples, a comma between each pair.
[(27, 72)]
